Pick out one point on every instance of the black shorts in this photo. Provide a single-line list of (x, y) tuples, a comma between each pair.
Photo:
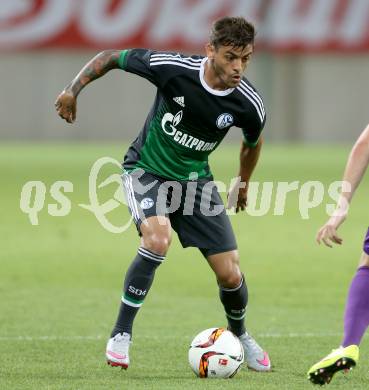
[(194, 208)]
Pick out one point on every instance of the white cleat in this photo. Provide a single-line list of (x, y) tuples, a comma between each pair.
[(117, 350), (256, 358)]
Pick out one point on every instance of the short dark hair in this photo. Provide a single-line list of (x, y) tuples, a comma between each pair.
[(232, 31)]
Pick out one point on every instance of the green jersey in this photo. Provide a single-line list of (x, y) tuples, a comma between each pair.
[(188, 119)]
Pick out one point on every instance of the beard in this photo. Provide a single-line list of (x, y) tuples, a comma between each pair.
[(226, 81)]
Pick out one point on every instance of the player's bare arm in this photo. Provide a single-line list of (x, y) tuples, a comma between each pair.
[(249, 157), (66, 102), (356, 166)]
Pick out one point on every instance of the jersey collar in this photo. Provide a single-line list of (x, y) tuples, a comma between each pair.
[(206, 86)]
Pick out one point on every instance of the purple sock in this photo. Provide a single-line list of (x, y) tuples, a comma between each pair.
[(357, 308)]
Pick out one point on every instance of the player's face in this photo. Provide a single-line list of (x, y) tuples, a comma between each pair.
[(228, 63)]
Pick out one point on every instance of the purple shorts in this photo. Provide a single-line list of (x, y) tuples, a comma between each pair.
[(366, 243)]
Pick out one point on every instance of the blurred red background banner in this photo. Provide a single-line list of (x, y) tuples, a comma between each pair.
[(283, 25)]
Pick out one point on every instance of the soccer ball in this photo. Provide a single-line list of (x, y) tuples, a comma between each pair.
[(215, 353)]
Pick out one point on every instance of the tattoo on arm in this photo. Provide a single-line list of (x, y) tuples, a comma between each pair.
[(97, 67)]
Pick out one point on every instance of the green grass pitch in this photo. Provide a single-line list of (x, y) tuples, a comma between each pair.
[(60, 281)]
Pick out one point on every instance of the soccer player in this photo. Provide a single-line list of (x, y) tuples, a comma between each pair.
[(356, 318), (166, 176)]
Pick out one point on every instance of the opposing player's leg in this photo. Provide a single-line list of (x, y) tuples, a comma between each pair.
[(155, 234), (356, 321), (234, 296), (356, 318)]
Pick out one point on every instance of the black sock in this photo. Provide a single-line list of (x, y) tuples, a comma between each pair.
[(234, 301), (137, 282)]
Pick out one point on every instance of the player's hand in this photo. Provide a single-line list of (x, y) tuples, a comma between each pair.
[(328, 235), (66, 106), (237, 197), (242, 200), (328, 232)]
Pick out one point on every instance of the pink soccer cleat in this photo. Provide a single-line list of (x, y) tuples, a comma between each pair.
[(117, 350)]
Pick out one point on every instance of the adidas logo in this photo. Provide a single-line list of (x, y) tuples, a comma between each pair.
[(179, 100)]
